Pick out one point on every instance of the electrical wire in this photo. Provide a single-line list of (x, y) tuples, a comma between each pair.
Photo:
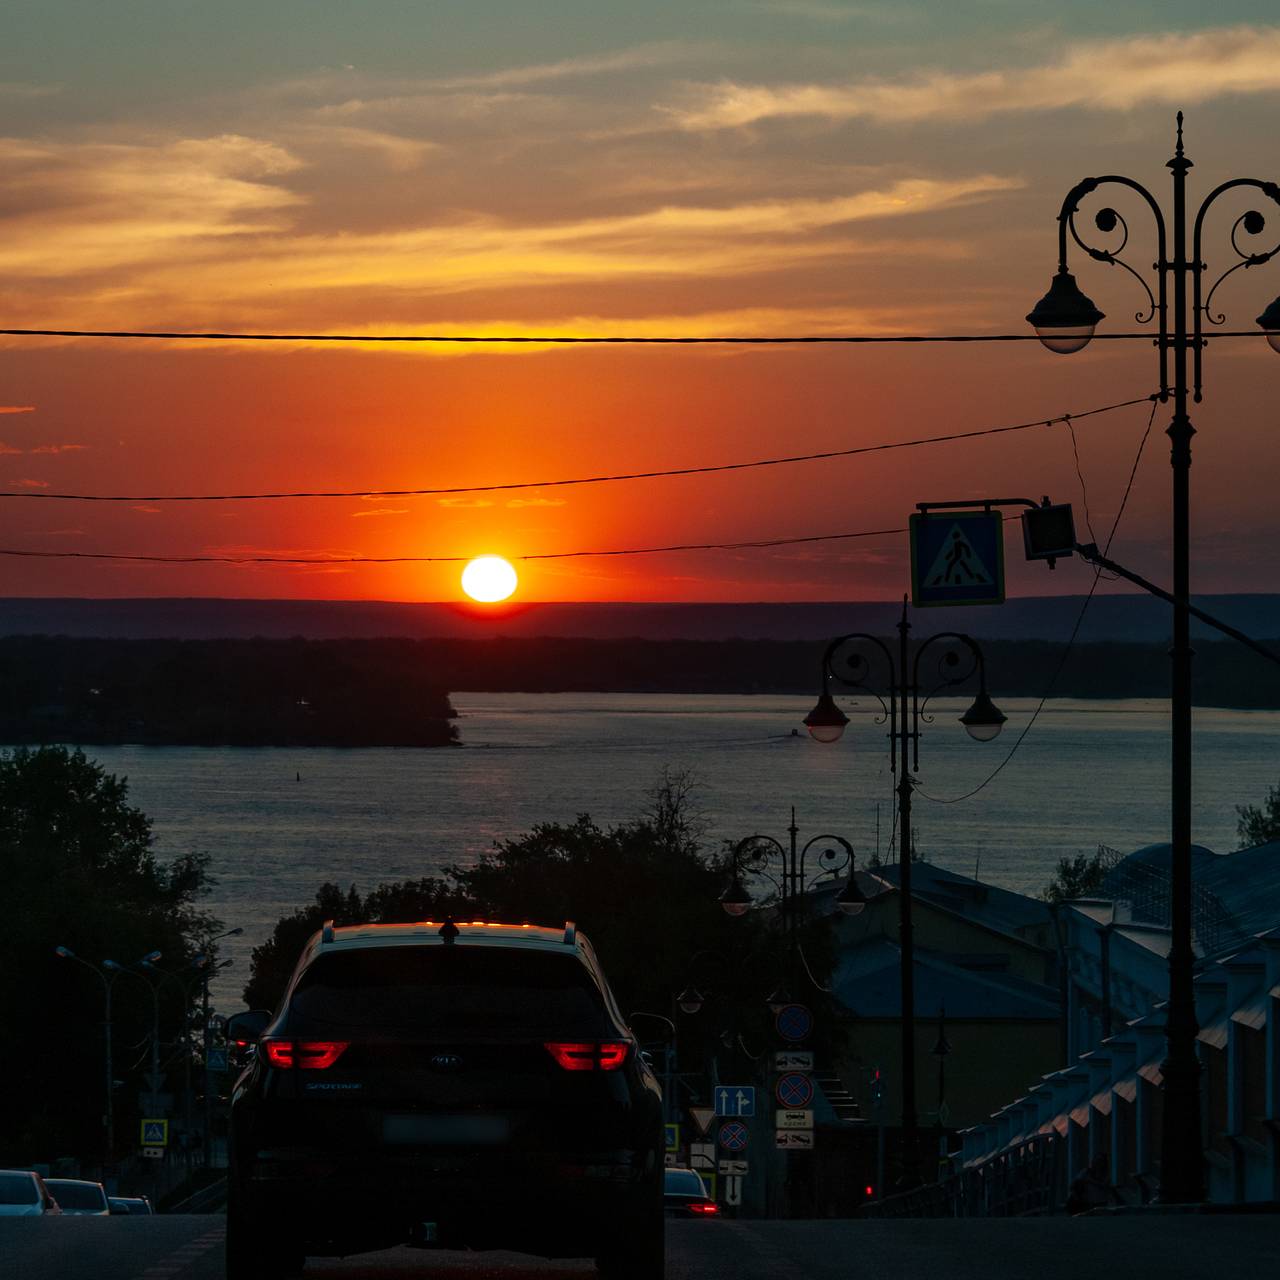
[(788, 460), (622, 339), (1066, 650)]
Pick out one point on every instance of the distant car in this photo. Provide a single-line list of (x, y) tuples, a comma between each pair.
[(684, 1195), (79, 1197), (124, 1205), (23, 1194)]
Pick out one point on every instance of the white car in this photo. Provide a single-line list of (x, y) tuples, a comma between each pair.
[(23, 1194), (80, 1197)]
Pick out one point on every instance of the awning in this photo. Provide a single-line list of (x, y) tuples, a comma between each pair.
[(1215, 1034), (1151, 1073), (1101, 1102), (1127, 1089), (1253, 1014)]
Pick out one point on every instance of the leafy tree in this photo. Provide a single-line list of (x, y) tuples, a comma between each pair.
[(1081, 876), (1259, 825), (79, 872)]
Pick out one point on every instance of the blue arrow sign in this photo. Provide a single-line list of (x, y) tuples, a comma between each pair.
[(735, 1100), (957, 557)]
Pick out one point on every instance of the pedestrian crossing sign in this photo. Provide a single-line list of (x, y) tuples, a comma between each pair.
[(155, 1133), (957, 557)]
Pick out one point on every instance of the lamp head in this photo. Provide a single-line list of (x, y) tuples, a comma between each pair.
[(111, 964), (690, 1000), (65, 952), (1270, 322), (984, 720), (1064, 319), (735, 900), (826, 722), (151, 957), (851, 900), (778, 998)]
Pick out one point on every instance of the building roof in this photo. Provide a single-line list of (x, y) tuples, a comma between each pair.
[(868, 982), (988, 904)]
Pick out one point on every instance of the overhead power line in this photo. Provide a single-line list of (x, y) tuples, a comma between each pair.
[(611, 339), (826, 455)]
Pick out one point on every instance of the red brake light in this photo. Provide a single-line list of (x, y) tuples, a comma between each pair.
[(707, 1208), (312, 1055), (580, 1055)]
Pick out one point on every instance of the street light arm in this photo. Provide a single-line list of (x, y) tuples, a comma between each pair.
[(748, 850), (830, 861), (829, 672), (950, 659)]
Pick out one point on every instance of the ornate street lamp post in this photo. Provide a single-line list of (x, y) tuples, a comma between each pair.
[(905, 710), (1065, 320)]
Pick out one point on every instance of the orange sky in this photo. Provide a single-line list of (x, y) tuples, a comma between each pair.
[(828, 169)]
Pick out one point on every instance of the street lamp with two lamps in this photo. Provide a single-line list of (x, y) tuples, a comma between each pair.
[(905, 711)]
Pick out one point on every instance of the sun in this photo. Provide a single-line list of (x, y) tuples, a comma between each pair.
[(489, 579)]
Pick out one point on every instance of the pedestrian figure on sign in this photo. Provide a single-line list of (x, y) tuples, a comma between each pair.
[(958, 569)]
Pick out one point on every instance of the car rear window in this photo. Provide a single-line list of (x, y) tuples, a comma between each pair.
[(683, 1182), (452, 989), (78, 1195), (18, 1188)]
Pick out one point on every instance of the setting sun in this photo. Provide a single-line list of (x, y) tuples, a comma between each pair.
[(489, 579)]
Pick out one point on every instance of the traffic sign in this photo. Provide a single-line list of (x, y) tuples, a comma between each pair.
[(153, 1153), (793, 1090), (702, 1156), (216, 1060), (799, 1119), (957, 557), (795, 1139), (793, 1060), (793, 1022), (733, 1135), (702, 1117), (155, 1133), (671, 1134), (735, 1100), (734, 1168), (733, 1190)]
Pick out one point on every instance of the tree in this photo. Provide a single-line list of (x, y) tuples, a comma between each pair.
[(1259, 825), (79, 872), (1081, 876)]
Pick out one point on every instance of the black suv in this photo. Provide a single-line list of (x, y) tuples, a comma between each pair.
[(453, 1086)]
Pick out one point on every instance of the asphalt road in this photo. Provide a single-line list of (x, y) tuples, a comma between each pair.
[(1159, 1247)]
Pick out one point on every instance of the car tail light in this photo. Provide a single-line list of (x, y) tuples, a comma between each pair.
[(312, 1055), (589, 1055), (704, 1208)]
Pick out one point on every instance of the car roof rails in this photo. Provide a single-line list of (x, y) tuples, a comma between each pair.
[(326, 932), (570, 933)]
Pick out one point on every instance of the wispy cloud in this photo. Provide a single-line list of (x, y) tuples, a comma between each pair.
[(33, 484), (1098, 75), (381, 511), (536, 502), (58, 448), (17, 408), (464, 503), (148, 510)]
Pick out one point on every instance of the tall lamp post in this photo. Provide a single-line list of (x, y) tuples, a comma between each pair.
[(109, 1115), (756, 853), (210, 968), (147, 961), (905, 711), (1065, 321)]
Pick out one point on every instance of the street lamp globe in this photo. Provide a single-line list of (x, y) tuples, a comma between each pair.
[(984, 720), (690, 1000), (826, 722), (735, 900), (851, 900), (1270, 321), (1064, 319)]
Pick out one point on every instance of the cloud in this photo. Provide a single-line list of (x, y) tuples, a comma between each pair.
[(83, 207), (536, 502), (1096, 75), (10, 450), (33, 484), (463, 503), (17, 408), (382, 511), (58, 448), (148, 510)]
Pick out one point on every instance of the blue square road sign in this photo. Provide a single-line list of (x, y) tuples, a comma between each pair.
[(957, 557)]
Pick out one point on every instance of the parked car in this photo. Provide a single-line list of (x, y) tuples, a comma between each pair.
[(79, 1197), (457, 1086), (122, 1206), (24, 1194), (684, 1195)]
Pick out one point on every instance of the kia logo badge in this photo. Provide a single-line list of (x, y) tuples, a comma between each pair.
[(446, 1061)]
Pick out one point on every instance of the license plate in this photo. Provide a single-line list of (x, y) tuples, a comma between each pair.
[(445, 1131)]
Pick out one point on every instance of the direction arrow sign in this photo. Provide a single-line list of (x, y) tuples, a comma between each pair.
[(733, 1190), (735, 1100), (795, 1139), (702, 1156), (793, 1119), (794, 1090), (737, 1168), (957, 557), (702, 1117)]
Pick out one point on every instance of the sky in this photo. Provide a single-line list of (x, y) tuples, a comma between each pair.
[(753, 167)]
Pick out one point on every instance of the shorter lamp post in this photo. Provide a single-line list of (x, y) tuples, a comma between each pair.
[(905, 711), (108, 1117), (147, 961), (210, 968)]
